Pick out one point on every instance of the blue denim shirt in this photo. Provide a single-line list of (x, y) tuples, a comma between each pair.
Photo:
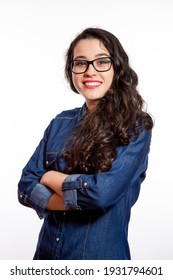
[(95, 225)]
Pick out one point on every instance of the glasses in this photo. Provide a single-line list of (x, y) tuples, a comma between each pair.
[(102, 64)]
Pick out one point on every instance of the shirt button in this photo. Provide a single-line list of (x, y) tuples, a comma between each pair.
[(47, 162), (57, 239), (85, 184), (64, 213)]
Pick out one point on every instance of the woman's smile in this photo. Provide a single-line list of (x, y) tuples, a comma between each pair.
[(92, 84)]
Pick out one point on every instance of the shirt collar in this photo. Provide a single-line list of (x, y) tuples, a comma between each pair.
[(82, 112)]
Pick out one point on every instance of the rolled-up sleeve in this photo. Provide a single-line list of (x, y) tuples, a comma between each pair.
[(38, 199), (70, 195)]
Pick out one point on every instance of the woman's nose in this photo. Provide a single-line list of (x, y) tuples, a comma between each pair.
[(91, 70)]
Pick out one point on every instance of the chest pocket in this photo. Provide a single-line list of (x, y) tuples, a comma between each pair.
[(51, 162)]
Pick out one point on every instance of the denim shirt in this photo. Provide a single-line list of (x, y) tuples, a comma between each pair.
[(95, 225)]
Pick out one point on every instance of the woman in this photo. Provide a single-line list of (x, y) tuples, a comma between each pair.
[(85, 174)]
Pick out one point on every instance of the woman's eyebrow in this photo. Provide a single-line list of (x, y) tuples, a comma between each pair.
[(97, 55), (80, 57)]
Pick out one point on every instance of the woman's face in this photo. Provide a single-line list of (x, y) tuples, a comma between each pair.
[(92, 85)]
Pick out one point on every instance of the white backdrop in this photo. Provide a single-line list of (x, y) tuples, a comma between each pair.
[(34, 36)]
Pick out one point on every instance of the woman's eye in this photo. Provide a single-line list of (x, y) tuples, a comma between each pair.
[(103, 61), (79, 63)]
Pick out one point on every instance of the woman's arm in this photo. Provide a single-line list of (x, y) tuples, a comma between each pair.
[(37, 187), (54, 180), (105, 189), (31, 192), (55, 203)]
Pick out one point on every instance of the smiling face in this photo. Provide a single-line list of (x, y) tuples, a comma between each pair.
[(92, 85)]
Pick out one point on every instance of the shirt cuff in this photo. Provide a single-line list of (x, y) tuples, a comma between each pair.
[(40, 196), (69, 194)]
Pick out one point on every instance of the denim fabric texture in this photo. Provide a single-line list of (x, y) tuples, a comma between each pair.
[(95, 225)]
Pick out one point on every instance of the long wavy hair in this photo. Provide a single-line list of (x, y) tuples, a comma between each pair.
[(115, 120)]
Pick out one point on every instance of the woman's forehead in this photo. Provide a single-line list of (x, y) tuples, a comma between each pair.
[(88, 47)]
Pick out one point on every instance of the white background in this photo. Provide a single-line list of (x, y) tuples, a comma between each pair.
[(34, 36)]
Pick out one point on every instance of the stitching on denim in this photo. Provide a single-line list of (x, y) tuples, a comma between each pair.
[(85, 242)]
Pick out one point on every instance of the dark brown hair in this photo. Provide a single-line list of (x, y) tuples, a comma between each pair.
[(117, 117)]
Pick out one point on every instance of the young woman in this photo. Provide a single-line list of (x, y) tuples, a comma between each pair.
[(85, 174)]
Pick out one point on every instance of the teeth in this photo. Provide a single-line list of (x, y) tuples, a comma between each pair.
[(92, 83)]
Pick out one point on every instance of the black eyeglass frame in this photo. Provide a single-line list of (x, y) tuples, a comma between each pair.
[(90, 62)]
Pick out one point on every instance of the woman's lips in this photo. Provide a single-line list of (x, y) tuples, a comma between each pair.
[(92, 84)]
